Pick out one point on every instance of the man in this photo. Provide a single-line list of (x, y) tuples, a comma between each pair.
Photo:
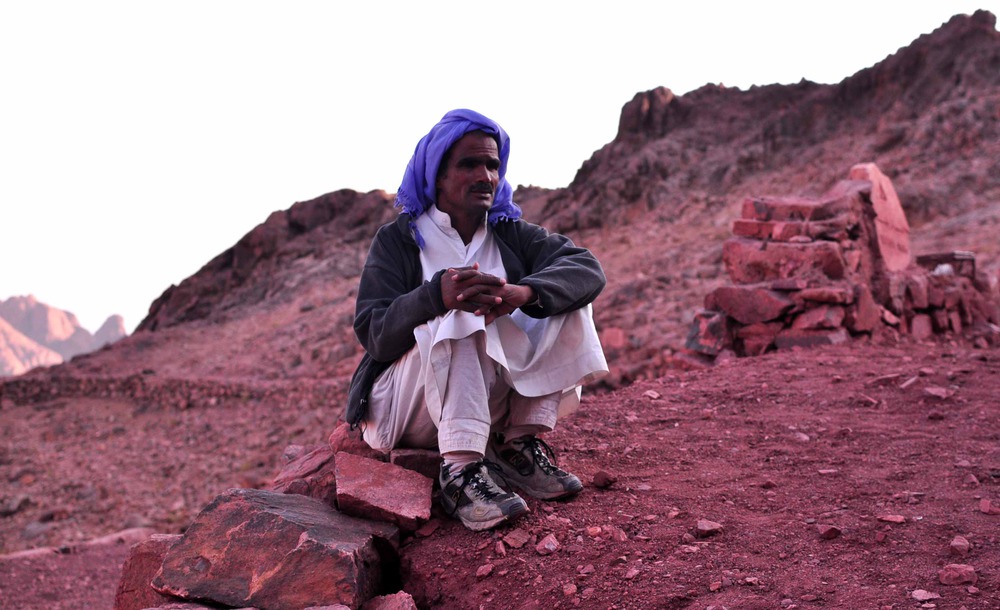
[(476, 325)]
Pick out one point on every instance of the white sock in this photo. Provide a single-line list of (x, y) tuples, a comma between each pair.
[(457, 460)]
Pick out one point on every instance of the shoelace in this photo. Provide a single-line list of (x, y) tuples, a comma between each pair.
[(485, 486), (541, 451)]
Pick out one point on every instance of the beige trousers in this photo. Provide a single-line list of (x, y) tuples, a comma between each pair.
[(477, 400)]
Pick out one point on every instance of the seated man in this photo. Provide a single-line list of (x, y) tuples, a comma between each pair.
[(477, 327)]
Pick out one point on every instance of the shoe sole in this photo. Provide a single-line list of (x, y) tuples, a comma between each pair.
[(515, 510)]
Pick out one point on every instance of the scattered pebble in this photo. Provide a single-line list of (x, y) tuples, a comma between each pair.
[(569, 590), (828, 532), (603, 480), (547, 545), (988, 508), (516, 538), (938, 392), (632, 573), (484, 570), (651, 394), (892, 518)]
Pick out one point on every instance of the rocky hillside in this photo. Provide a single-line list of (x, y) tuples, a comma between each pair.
[(277, 306), (35, 334)]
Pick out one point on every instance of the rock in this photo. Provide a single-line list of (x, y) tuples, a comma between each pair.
[(864, 315), (921, 327), (569, 590), (892, 518), (383, 492), (603, 479), (891, 228), (709, 333), (922, 596), (547, 545), (484, 570), (791, 209), (311, 474), (751, 304), (959, 546), (958, 574), (938, 392), (278, 551), (987, 507), (757, 338), (143, 562), (424, 461), (350, 441), (828, 532), (823, 317), (516, 538), (396, 601), (428, 528), (791, 337), (749, 262), (705, 528)]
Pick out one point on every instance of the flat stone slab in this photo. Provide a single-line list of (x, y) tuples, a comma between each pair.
[(383, 492), (749, 262), (310, 474), (794, 209), (891, 227), (278, 551)]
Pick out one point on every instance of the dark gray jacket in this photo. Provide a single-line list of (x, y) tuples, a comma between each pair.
[(394, 299)]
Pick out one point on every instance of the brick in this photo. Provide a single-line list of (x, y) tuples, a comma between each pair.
[(751, 304), (750, 262)]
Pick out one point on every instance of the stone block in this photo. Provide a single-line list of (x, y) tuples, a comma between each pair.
[(278, 551), (891, 228), (916, 290), (842, 295), (424, 461), (794, 209), (757, 338), (143, 562), (939, 317), (350, 441), (792, 337), (751, 304), (821, 317), (709, 333), (310, 474), (382, 492), (863, 316), (921, 327), (750, 262)]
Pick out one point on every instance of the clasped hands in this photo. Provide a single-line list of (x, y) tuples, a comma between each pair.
[(483, 294)]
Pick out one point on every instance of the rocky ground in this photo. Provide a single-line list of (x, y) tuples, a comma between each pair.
[(839, 477)]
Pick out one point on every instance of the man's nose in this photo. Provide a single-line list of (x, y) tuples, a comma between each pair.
[(486, 174)]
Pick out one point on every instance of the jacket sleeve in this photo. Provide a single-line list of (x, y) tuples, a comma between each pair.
[(392, 298), (565, 276)]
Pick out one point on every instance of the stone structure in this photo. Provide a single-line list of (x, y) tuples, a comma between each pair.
[(814, 271)]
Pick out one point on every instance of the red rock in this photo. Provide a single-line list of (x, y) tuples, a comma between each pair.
[(775, 231), (864, 314), (751, 304), (892, 518), (834, 294), (705, 528), (614, 338), (310, 474), (891, 228), (790, 208), (828, 532), (396, 601), (278, 551), (603, 480), (958, 574), (822, 317), (751, 262), (383, 492), (350, 441), (709, 333), (757, 338), (987, 507), (547, 545), (921, 327), (789, 338), (916, 289), (424, 461), (143, 562), (484, 570), (516, 538), (959, 546)]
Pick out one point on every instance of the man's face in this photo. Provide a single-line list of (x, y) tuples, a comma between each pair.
[(468, 180)]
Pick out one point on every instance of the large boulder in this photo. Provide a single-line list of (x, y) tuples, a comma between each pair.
[(278, 551)]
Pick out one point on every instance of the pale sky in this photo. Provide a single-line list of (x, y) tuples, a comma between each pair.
[(140, 139)]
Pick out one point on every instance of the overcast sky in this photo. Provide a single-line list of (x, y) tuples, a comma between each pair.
[(140, 139)]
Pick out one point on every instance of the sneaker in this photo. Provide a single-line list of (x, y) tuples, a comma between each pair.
[(525, 463), (477, 501)]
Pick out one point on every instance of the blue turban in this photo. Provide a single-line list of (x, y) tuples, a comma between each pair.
[(419, 188)]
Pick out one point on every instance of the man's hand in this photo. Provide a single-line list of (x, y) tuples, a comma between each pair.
[(468, 289)]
